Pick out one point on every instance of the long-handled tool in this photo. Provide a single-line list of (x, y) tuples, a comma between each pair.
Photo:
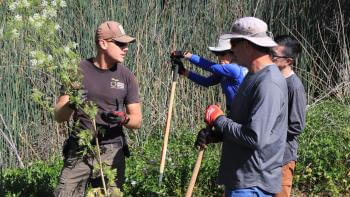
[(195, 173), (168, 121)]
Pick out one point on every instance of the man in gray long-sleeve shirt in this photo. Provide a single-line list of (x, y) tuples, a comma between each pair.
[(254, 136), (284, 56)]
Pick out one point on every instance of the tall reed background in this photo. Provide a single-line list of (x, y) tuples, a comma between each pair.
[(159, 26)]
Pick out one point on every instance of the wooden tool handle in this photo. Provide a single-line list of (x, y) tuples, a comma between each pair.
[(195, 173), (167, 131)]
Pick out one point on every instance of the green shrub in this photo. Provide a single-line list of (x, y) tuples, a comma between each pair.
[(324, 150), (143, 168), (38, 179)]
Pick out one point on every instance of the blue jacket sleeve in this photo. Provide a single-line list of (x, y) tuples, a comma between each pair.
[(228, 70), (201, 62), (204, 81)]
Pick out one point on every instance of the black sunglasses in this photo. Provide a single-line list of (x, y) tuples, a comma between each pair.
[(120, 44), (279, 56)]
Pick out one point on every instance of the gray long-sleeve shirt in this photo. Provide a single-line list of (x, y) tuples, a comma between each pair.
[(296, 117), (255, 134)]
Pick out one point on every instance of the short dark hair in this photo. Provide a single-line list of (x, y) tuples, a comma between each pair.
[(292, 47)]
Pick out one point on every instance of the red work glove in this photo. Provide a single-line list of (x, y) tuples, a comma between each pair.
[(211, 114)]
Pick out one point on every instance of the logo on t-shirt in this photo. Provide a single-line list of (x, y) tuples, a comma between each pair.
[(115, 83)]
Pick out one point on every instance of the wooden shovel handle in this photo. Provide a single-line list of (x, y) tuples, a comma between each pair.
[(195, 173), (167, 131)]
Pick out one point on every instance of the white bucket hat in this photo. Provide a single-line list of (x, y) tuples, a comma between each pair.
[(223, 45), (252, 29)]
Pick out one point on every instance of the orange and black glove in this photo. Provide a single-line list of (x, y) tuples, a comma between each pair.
[(115, 117), (211, 114)]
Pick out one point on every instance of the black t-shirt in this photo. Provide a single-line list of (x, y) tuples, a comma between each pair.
[(110, 89)]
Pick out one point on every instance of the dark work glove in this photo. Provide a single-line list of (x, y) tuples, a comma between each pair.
[(216, 136), (78, 98), (177, 54), (202, 138), (206, 136), (115, 117), (178, 62)]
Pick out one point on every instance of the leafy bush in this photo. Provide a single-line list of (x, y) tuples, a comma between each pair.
[(143, 168), (38, 179), (324, 150)]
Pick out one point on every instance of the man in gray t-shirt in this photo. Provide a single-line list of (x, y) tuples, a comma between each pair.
[(284, 55), (111, 87), (254, 136)]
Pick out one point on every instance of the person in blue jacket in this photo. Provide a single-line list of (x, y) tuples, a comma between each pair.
[(228, 74)]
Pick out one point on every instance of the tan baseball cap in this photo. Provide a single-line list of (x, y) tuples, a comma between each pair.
[(113, 30), (252, 29)]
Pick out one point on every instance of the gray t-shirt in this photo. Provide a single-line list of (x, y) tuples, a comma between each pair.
[(254, 136), (296, 116), (110, 90)]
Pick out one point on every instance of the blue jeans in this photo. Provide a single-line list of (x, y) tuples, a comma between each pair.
[(247, 192)]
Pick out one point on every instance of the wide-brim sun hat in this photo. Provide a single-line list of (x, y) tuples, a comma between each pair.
[(253, 30), (223, 45)]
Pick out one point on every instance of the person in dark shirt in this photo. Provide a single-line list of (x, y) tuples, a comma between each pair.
[(254, 135), (285, 56), (111, 86), (225, 72)]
